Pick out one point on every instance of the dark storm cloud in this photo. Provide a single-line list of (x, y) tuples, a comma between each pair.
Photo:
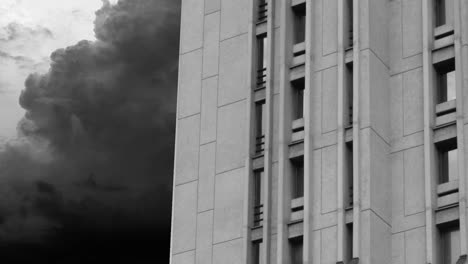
[(95, 146)]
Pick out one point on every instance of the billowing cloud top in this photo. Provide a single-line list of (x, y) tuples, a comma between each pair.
[(95, 150)]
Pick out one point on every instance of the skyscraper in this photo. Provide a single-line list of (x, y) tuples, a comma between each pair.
[(322, 131)]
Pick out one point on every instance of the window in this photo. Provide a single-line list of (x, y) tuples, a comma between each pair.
[(296, 250), (349, 23), (258, 192), (262, 11), (349, 243), (260, 127), (449, 244), (445, 81), (349, 174), (443, 12), (349, 94), (448, 161), (298, 98), (297, 179), (256, 252), (299, 16), (261, 61)]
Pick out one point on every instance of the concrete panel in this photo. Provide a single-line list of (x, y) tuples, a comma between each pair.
[(212, 6), (209, 109), (395, 34), (188, 96), (379, 97), (316, 181), (330, 26), (316, 246), (275, 141), (398, 248), (412, 27), (398, 194), (365, 168), (211, 45), (233, 70), (316, 106), (234, 17), (328, 254), (188, 136), (191, 25), (228, 252), (381, 241), (230, 149), (206, 177), (329, 99), (365, 89), (184, 258), (185, 217), (378, 23), (414, 180), (204, 237), (274, 197), (229, 196), (329, 174), (381, 194), (413, 104), (396, 107), (415, 245)]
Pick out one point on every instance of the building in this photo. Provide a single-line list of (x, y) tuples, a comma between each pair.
[(322, 131)]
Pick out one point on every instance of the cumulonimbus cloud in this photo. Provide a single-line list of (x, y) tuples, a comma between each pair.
[(95, 145)]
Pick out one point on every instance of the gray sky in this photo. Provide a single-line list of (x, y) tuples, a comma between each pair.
[(29, 31)]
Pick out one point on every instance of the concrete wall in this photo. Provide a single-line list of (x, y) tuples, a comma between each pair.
[(391, 138)]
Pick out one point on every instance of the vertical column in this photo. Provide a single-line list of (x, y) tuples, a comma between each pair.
[(269, 133), (308, 135), (340, 135), (284, 133), (459, 76), (429, 173), (356, 130), (250, 134)]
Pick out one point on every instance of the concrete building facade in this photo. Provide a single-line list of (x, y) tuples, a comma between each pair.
[(322, 131)]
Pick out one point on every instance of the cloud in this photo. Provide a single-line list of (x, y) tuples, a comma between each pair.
[(14, 31), (95, 150)]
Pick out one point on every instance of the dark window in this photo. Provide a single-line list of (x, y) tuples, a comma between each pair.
[(298, 98), (448, 161), (440, 12), (349, 94), (296, 250), (262, 10), (297, 179), (449, 244), (260, 127), (349, 243), (261, 61), (299, 23), (445, 81), (349, 23), (256, 252), (258, 197), (349, 174)]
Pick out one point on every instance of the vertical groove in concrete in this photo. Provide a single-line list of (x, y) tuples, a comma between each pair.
[(308, 136), (356, 130), (459, 75), (269, 134), (250, 74), (340, 135), (429, 177)]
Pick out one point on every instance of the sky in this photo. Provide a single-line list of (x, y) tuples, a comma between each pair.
[(87, 111)]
